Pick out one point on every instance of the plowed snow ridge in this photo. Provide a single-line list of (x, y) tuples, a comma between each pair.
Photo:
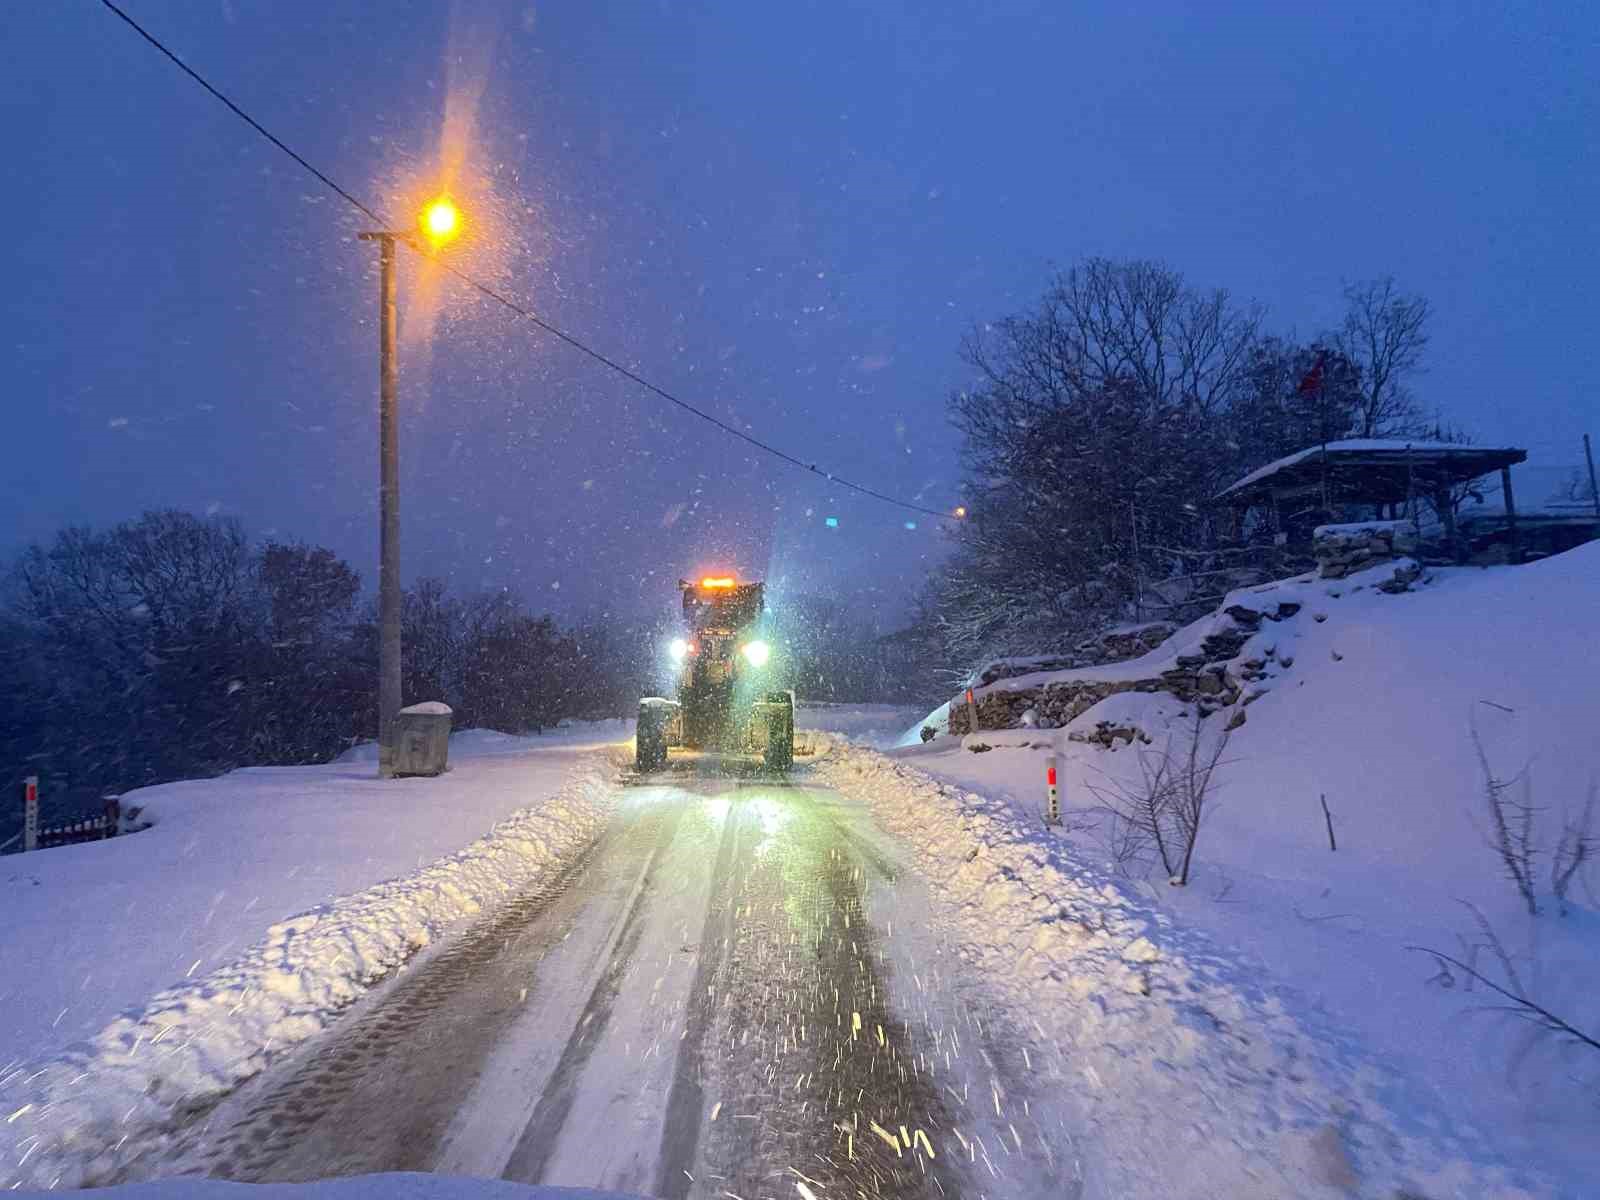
[(76, 1118), (1193, 1074)]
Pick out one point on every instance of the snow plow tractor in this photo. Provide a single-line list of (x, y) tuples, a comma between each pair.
[(728, 704)]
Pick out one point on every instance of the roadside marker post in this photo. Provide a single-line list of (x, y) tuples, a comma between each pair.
[(1053, 811), (30, 813), (972, 713)]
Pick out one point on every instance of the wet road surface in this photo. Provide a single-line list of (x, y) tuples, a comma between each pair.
[(730, 993)]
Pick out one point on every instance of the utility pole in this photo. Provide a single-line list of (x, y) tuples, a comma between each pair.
[(388, 504), (440, 223), (1594, 492)]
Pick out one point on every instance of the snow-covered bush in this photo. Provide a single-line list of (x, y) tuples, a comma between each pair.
[(1164, 809)]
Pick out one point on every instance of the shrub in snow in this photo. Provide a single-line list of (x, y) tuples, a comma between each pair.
[(1164, 809), (1576, 846), (1511, 989), (1513, 834)]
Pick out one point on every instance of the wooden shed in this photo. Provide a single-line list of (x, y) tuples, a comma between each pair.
[(1320, 483)]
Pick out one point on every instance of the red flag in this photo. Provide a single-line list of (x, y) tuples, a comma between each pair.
[(1313, 380)]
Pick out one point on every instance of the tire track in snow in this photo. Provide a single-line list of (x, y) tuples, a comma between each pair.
[(311, 1118), (814, 1078), (542, 1137), (680, 1136)]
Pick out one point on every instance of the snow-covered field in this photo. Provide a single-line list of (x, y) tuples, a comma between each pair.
[(1315, 948), (166, 965)]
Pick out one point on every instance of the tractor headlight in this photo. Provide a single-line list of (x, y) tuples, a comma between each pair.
[(756, 653), (678, 649)]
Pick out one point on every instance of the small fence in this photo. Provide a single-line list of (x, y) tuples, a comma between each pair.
[(84, 829), (35, 836)]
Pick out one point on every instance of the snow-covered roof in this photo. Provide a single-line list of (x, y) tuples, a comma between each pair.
[(1463, 461)]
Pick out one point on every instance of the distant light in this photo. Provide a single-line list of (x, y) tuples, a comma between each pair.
[(717, 581), (756, 653), (911, 524), (679, 649), (831, 522), (441, 221), (960, 512)]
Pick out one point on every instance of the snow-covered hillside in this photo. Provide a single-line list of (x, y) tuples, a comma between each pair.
[(1371, 700)]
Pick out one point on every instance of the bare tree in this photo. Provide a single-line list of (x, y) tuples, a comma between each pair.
[(1139, 815), (1518, 1003), (1192, 791), (1511, 825), (1576, 846), (1166, 807), (1105, 322), (1094, 436), (1385, 332)]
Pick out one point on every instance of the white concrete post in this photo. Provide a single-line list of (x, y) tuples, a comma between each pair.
[(30, 813), (1053, 809)]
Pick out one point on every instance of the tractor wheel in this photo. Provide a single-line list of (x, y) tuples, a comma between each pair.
[(779, 754), (650, 737)]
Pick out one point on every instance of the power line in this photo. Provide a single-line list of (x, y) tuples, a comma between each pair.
[(511, 305)]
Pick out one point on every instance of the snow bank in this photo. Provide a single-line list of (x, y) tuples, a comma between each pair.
[(73, 1117), (1370, 700), (478, 742), (396, 1186), (1195, 1078), (94, 929), (873, 724)]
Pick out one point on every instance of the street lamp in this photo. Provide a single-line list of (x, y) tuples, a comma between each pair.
[(440, 222)]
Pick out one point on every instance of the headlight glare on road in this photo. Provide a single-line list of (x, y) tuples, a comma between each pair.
[(678, 649), (756, 653)]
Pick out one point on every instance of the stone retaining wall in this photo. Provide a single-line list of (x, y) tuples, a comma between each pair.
[(1202, 678), (1214, 676), (1342, 550), (1114, 646)]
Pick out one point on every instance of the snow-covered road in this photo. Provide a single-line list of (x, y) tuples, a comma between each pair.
[(732, 992)]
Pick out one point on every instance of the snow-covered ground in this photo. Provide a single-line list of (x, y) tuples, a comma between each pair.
[(1267, 1031), (868, 724), (166, 965), (1375, 710)]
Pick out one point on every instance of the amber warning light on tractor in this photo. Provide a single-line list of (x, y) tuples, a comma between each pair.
[(717, 581)]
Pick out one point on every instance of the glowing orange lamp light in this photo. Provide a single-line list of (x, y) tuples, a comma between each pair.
[(441, 221)]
